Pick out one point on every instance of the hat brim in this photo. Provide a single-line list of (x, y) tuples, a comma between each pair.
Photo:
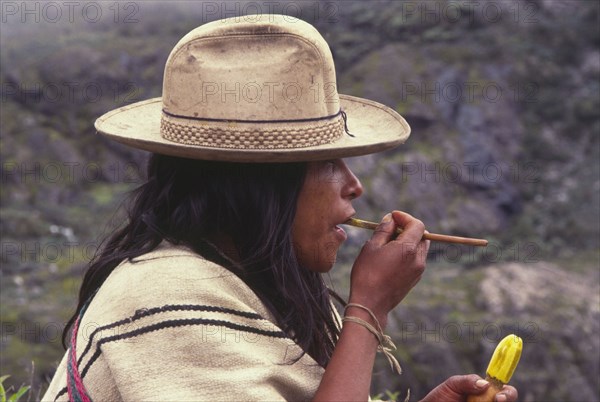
[(375, 128)]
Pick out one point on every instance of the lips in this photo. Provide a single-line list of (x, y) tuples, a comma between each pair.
[(348, 217), (341, 232)]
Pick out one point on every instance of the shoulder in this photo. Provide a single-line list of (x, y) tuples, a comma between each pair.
[(170, 276)]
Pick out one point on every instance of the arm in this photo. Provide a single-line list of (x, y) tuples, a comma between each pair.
[(383, 274)]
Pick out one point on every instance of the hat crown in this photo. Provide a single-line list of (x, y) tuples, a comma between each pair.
[(255, 68)]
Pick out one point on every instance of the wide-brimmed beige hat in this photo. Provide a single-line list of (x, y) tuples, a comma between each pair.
[(258, 88)]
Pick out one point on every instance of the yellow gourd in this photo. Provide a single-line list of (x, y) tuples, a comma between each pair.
[(501, 368)]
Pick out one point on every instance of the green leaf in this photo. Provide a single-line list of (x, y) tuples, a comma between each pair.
[(19, 394), (2, 391)]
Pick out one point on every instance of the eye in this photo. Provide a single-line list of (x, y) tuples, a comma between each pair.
[(329, 171)]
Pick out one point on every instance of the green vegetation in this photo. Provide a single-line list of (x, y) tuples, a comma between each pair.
[(4, 397)]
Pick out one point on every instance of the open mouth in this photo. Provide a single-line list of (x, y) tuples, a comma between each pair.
[(341, 232)]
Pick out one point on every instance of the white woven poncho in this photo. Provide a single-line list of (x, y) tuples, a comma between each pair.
[(175, 327)]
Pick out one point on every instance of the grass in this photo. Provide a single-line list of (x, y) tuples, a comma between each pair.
[(4, 394)]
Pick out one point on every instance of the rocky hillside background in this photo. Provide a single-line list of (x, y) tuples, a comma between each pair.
[(503, 101)]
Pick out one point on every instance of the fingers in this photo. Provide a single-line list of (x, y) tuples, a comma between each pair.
[(384, 232), (507, 394), (467, 384), (458, 387), (426, 244), (412, 233), (472, 384), (412, 228), (411, 239)]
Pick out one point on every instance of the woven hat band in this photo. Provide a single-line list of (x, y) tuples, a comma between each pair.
[(252, 135)]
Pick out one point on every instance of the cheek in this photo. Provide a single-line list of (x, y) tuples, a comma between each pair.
[(307, 231), (315, 246), (323, 201), (313, 212), (318, 248)]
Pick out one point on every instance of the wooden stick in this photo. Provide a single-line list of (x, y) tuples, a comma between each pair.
[(359, 223)]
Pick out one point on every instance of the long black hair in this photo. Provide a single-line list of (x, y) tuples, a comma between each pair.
[(187, 201)]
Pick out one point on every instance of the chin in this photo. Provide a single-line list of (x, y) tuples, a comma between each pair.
[(323, 263), (321, 269), (319, 265), (319, 257)]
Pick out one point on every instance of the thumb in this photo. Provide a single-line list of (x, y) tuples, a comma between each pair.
[(384, 232), (457, 387), (467, 384)]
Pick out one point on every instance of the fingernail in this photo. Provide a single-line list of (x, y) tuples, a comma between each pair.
[(387, 218), (481, 383), (500, 398)]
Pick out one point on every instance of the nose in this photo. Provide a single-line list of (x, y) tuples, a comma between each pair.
[(353, 188), (357, 187)]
